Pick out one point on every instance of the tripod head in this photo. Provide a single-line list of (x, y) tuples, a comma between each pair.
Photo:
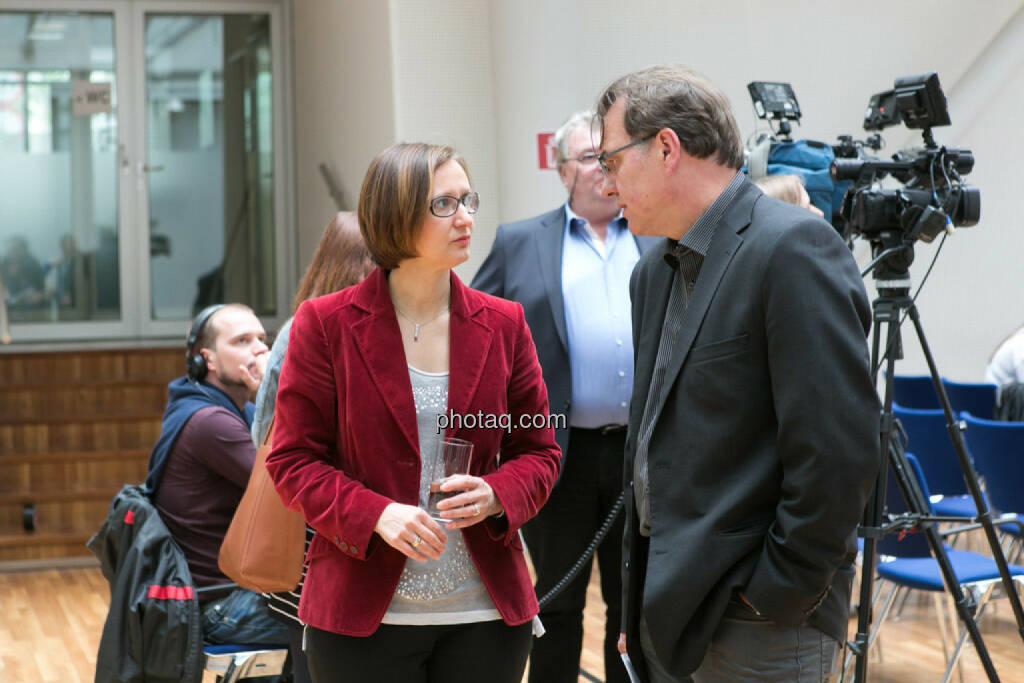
[(892, 253)]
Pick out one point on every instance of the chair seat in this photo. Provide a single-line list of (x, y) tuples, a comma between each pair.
[(955, 506), (923, 573), (231, 648)]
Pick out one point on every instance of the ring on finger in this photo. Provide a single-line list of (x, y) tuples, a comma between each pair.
[(476, 509), (416, 542)]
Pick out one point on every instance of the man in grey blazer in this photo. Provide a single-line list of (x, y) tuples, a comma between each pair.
[(570, 268), (753, 429)]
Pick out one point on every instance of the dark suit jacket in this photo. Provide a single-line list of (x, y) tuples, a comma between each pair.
[(767, 445), (525, 265), (346, 445)]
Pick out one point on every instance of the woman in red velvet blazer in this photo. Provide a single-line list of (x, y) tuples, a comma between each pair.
[(347, 442)]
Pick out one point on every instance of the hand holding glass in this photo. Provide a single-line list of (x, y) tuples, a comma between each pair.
[(452, 458)]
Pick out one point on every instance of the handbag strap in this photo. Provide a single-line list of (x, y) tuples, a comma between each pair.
[(270, 431)]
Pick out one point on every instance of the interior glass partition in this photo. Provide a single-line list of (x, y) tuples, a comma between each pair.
[(59, 226), (209, 162)]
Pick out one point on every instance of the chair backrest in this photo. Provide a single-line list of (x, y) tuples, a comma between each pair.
[(977, 399), (998, 452), (928, 438), (914, 391), (913, 544)]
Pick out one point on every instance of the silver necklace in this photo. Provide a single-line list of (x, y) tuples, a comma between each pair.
[(417, 325)]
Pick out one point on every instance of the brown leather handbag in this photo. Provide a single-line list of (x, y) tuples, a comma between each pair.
[(263, 549)]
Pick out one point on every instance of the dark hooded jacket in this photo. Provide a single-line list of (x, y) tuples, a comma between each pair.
[(152, 632)]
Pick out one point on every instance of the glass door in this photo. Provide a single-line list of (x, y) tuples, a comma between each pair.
[(61, 227), (143, 165), (210, 169)]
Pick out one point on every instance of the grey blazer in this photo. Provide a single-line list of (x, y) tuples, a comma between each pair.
[(525, 265), (767, 445)]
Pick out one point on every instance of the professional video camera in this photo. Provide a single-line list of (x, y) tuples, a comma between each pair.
[(933, 197)]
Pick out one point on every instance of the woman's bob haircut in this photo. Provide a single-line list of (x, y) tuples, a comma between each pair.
[(395, 198)]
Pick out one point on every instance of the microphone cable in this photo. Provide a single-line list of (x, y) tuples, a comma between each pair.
[(587, 553)]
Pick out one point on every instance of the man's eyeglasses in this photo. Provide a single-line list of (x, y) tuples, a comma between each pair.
[(445, 205), (609, 169), (584, 159)]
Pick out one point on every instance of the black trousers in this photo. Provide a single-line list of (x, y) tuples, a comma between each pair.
[(590, 484), (489, 651)]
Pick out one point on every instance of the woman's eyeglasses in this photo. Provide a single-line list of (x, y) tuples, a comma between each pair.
[(445, 205)]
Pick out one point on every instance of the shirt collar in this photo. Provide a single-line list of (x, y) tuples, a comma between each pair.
[(698, 237), (618, 223)]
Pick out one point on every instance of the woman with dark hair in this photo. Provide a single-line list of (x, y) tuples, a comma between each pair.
[(340, 260), (373, 374)]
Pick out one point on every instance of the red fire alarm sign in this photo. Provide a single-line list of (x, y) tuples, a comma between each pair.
[(545, 151)]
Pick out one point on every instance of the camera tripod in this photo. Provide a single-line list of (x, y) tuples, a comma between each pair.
[(893, 288)]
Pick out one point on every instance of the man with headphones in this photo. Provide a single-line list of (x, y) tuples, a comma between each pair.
[(200, 465), (578, 313)]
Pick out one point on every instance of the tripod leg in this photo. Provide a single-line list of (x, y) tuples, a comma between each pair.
[(962, 640), (974, 487)]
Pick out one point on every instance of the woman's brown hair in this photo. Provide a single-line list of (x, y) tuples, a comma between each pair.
[(340, 260), (395, 196)]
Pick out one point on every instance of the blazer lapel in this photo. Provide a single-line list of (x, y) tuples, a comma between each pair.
[(654, 299), (469, 342), (549, 241), (379, 341), (723, 247)]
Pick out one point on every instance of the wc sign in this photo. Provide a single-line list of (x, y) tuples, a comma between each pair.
[(546, 151), (89, 98)]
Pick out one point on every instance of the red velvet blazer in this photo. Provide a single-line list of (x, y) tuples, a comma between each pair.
[(346, 445)]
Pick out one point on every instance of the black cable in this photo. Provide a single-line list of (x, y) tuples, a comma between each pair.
[(874, 262), (588, 552)]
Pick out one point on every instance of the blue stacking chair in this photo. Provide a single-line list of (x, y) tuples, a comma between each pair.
[(914, 391), (928, 438), (977, 399), (231, 663), (998, 452), (908, 564)]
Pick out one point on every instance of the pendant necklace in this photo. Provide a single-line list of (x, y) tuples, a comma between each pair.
[(416, 326)]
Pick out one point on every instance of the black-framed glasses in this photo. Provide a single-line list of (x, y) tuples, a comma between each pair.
[(609, 170), (446, 205)]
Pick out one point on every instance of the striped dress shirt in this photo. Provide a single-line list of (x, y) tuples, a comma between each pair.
[(685, 257)]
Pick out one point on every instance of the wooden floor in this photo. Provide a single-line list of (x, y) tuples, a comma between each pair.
[(50, 623)]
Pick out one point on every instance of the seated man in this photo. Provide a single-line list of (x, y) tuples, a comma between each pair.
[(200, 466)]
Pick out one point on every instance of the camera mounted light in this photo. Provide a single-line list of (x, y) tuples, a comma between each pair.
[(882, 111)]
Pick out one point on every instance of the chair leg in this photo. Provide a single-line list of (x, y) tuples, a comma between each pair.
[(962, 640), (944, 629)]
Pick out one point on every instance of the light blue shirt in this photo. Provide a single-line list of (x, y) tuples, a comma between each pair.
[(595, 289)]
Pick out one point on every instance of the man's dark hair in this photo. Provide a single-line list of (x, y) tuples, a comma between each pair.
[(671, 96)]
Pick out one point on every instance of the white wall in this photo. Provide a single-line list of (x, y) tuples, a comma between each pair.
[(553, 58), (344, 106), (487, 77), (444, 94)]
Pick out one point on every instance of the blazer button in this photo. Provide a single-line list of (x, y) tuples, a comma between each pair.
[(343, 545), (337, 541), (352, 549)]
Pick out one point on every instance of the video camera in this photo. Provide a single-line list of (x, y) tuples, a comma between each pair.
[(933, 197)]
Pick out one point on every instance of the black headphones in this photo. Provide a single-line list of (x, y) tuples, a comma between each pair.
[(195, 364)]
